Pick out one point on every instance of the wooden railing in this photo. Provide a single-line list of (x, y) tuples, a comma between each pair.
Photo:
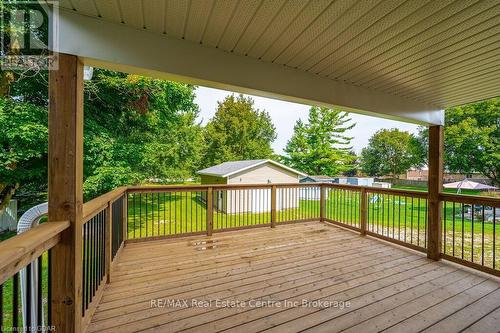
[(104, 221), (394, 215), (470, 231), (470, 234), (27, 255)]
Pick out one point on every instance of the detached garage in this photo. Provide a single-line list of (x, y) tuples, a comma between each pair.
[(250, 172)]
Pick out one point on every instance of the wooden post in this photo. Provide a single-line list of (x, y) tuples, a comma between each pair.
[(363, 211), (322, 202), (435, 187), (210, 211), (65, 179), (109, 241), (273, 206)]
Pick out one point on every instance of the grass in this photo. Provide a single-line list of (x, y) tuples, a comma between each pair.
[(8, 298)]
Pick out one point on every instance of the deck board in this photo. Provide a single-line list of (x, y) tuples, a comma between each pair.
[(387, 287)]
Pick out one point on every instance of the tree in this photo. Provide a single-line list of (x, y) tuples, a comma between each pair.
[(320, 146), (23, 145), (471, 139), (137, 129), (238, 131), (390, 152)]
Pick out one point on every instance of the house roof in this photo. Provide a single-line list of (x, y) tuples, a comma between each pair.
[(227, 169), (318, 178)]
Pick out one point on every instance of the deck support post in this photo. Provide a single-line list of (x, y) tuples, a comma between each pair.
[(322, 202), (363, 211), (210, 211), (436, 144), (273, 206), (65, 178)]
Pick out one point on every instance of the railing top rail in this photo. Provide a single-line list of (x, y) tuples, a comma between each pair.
[(162, 188), (470, 199), (166, 188), (20, 250), (94, 206)]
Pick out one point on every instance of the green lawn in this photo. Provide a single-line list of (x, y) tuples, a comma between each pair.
[(8, 293)]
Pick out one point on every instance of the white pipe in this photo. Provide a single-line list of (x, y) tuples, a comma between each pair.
[(30, 219)]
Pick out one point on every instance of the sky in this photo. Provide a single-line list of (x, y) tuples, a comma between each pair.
[(285, 114)]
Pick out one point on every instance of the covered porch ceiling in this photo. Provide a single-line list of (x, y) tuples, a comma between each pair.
[(402, 60)]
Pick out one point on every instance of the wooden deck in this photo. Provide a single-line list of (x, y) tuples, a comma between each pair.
[(365, 285)]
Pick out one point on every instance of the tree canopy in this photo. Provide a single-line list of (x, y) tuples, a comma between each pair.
[(390, 152), (321, 146), (135, 129), (471, 139), (238, 131)]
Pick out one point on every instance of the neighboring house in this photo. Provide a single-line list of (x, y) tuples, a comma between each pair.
[(317, 179), (250, 172), (362, 181), (8, 217), (423, 175), (338, 180)]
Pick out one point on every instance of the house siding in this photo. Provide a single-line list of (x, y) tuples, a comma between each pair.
[(257, 201), (210, 180), (264, 174)]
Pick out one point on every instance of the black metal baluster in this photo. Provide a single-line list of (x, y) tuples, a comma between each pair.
[(472, 236), (444, 226), (15, 301), (186, 222), (94, 250), (158, 211), (411, 221), (418, 221), (453, 232), (1, 305), (87, 282), (393, 216), (27, 300), (494, 236), (39, 295), (175, 213), (425, 227), (140, 215), (482, 236), (49, 289), (463, 227), (170, 213), (406, 215), (399, 217)]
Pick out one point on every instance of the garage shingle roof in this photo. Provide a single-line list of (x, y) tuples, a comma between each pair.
[(229, 168)]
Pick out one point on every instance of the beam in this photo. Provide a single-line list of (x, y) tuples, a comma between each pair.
[(435, 186), (122, 48), (65, 190)]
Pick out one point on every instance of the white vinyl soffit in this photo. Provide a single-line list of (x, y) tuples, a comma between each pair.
[(403, 60)]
